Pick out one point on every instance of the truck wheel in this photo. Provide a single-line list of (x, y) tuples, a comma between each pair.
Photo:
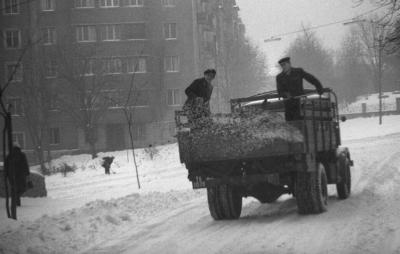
[(224, 202), (312, 191), (344, 186)]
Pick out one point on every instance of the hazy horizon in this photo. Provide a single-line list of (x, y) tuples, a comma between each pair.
[(265, 18)]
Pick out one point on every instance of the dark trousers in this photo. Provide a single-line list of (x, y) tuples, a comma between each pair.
[(292, 109)]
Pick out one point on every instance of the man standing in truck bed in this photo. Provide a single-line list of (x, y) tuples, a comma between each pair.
[(290, 85), (199, 93)]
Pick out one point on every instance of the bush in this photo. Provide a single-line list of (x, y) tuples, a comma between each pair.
[(64, 169)]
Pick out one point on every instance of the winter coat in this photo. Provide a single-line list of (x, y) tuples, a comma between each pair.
[(199, 94), (16, 162), (292, 83), (199, 88)]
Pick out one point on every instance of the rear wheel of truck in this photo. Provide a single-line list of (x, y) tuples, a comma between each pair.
[(224, 202), (312, 191), (343, 187)]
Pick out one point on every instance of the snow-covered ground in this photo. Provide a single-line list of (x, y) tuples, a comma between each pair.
[(90, 212), (369, 127), (372, 103)]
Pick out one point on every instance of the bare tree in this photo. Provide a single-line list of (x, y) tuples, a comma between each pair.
[(352, 70), (374, 35), (308, 52), (81, 95), (247, 69), (7, 144)]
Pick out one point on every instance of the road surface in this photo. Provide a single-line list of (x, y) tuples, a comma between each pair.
[(367, 222)]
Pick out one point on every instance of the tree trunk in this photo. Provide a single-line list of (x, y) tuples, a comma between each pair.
[(40, 157), (93, 149)]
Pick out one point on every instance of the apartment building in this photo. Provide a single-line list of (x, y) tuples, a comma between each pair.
[(147, 49)]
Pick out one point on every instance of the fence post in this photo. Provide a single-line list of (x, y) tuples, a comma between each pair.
[(364, 108)]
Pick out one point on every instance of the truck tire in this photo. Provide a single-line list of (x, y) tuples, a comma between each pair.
[(312, 191), (224, 202), (344, 186)]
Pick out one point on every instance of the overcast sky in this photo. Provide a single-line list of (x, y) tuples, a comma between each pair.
[(266, 18)]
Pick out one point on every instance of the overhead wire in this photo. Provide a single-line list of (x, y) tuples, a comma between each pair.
[(328, 24)]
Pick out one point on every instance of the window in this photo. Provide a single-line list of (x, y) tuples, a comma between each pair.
[(171, 128), (112, 66), (134, 3), (48, 5), (85, 33), (168, 3), (54, 136), (135, 31), (14, 72), (110, 33), (84, 3), (140, 98), (19, 139), (137, 65), (114, 98), (109, 3), (51, 69), (11, 7), (173, 97), (88, 67), (170, 31), (53, 102), (16, 106), (171, 64), (139, 132), (49, 35), (12, 38)]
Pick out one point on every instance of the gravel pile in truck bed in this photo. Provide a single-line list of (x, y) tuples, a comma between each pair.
[(240, 134)]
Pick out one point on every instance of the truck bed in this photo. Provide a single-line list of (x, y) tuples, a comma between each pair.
[(232, 137)]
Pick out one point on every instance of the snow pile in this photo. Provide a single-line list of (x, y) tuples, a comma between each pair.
[(79, 229), (372, 102), (240, 134)]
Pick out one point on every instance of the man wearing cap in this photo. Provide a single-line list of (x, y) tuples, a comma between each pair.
[(290, 85), (199, 95)]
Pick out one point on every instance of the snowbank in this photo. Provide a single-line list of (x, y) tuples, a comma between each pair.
[(79, 229)]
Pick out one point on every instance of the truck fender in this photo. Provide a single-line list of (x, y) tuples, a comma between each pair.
[(340, 151)]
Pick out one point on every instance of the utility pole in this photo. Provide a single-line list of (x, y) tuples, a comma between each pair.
[(380, 49)]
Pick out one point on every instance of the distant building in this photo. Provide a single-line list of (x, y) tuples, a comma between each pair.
[(159, 45)]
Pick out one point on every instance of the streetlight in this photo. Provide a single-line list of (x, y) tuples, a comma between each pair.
[(354, 21), (273, 39)]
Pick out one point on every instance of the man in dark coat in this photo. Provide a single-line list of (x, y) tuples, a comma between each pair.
[(290, 84), (199, 94), (16, 163)]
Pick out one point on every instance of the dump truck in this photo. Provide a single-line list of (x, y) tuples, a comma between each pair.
[(253, 151)]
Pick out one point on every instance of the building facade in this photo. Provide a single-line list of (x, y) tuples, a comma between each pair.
[(84, 68)]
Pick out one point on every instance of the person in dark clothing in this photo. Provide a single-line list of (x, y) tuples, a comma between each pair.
[(199, 94), (290, 85), (16, 163), (107, 161)]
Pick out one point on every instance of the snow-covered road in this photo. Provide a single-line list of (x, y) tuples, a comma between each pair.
[(89, 212), (368, 222)]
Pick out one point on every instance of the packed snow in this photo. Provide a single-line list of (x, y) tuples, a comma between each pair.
[(90, 212)]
